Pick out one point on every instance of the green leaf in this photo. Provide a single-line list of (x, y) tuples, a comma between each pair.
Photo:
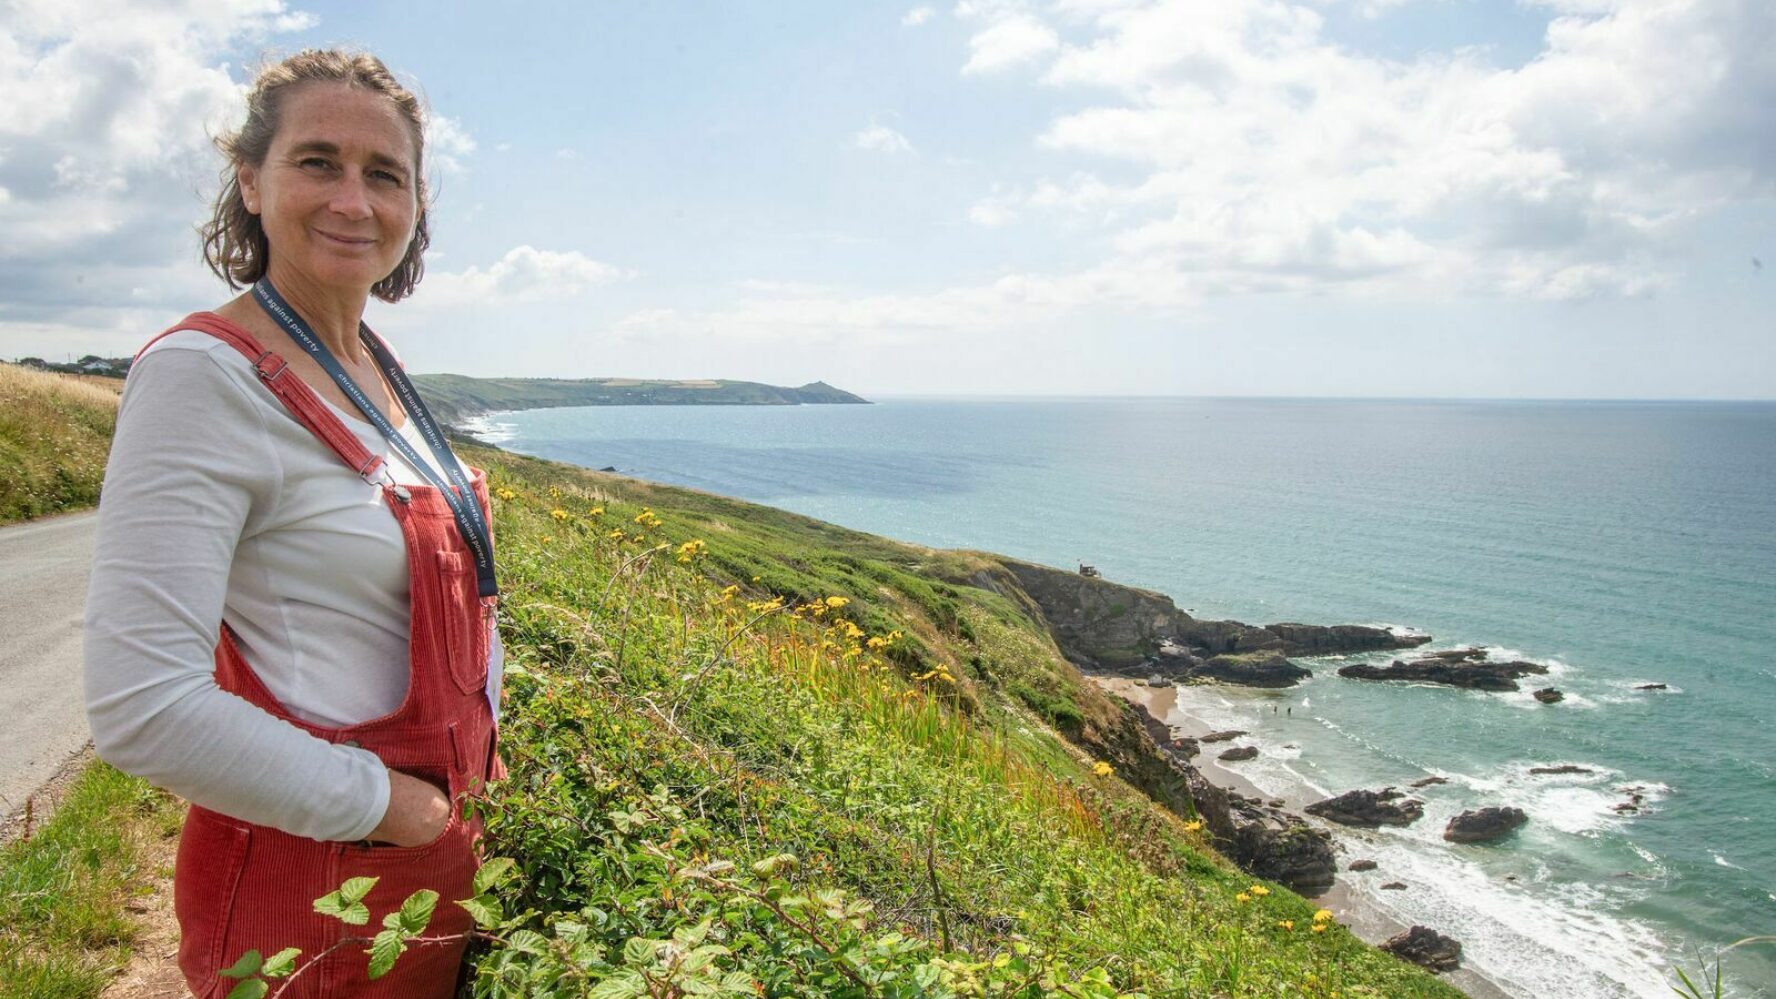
[(280, 964), (739, 983), (387, 946), (333, 904), (252, 988), (622, 985), (247, 965), (492, 873), (484, 909), (639, 950), (355, 889), (527, 942), (414, 913)]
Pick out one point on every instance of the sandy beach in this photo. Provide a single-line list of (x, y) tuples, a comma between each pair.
[(1360, 910)]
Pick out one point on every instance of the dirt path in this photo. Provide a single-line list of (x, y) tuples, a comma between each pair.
[(153, 971)]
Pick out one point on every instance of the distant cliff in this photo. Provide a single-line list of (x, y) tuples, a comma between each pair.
[(455, 398)]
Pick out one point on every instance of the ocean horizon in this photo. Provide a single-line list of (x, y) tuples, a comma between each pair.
[(1617, 542)]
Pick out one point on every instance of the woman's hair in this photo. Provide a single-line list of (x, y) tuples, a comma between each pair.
[(234, 242)]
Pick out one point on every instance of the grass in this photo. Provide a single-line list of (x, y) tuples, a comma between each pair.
[(55, 431), (684, 691), (64, 929)]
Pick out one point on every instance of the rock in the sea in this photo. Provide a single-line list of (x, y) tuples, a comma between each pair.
[(1548, 695), (1484, 825), (1238, 753), (1564, 768), (608, 468), (1426, 948), (1457, 655), (1362, 865), (1394, 886), (1471, 674), (1652, 686), (1252, 669), (1368, 809), (1428, 781), (1158, 681), (1224, 736)]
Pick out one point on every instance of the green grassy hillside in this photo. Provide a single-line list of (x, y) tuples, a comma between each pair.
[(454, 397), (734, 726), (55, 431)]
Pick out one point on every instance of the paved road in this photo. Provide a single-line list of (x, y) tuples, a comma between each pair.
[(44, 564)]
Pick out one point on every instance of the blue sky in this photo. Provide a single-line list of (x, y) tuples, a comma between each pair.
[(1560, 198)]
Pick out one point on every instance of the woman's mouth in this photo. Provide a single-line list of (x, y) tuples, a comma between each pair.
[(354, 241)]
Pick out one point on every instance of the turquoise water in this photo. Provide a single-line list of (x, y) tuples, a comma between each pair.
[(1620, 543)]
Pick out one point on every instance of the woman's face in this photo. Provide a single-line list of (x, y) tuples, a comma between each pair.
[(336, 193)]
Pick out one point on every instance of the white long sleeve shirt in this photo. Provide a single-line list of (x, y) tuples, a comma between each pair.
[(219, 506)]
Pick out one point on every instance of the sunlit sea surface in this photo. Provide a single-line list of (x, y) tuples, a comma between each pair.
[(1619, 543)]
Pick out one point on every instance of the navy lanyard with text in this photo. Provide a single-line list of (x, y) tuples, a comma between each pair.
[(457, 492)]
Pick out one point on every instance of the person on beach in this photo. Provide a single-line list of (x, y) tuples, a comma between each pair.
[(290, 620)]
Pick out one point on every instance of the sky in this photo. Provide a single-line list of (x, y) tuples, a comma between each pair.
[(1394, 198)]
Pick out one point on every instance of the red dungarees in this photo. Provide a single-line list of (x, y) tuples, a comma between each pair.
[(239, 886)]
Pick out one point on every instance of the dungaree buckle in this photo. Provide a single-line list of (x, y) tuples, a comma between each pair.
[(274, 374)]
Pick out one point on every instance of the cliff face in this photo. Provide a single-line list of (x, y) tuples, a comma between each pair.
[(1108, 625)]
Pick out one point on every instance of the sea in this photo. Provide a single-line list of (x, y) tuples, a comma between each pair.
[(1617, 543)]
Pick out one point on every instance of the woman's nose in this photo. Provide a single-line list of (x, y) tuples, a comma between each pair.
[(351, 197)]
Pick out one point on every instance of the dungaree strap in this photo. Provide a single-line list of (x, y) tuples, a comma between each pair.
[(308, 408)]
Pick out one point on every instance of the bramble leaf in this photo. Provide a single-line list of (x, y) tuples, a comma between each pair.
[(484, 910), (492, 873), (355, 889), (333, 904), (414, 914), (252, 988), (248, 964), (280, 964), (387, 946)]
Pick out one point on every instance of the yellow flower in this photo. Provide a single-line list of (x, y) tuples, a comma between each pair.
[(852, 630), (506, 494), (1287, 924), (755, 579), (1320, 927), (1322, 915), (1102, 769), (837, 601), (1259, 890), (1193, 825), (877, 641), (595, 511), (1242, 897), (616, 532), (558, 514)]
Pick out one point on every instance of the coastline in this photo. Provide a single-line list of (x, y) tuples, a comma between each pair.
[(1360, 910)]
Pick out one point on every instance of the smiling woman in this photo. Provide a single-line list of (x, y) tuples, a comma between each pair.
[(291, 616)]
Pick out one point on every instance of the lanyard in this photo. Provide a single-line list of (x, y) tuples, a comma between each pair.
[(456, 492)]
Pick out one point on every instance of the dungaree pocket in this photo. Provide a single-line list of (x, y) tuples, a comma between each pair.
[(465, 627), (212, 855)]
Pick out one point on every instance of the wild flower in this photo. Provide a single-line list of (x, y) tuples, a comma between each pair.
[(1259, 890), (1286, 924), (647, 518), (755, 579), (876, 641), (615, 532), (1242, 897), (690, 550), (558, 513), (1323, 915), (1320, 927), (852, 630), (836, 602), (1103, 769), (506, 494), (1193, 825), (596, 511)]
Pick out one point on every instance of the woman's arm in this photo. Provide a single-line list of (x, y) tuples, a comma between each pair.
[(191, 469)]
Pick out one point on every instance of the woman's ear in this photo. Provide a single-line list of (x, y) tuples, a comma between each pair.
[(247, 179)]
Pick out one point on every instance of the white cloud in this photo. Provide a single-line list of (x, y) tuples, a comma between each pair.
[(881, 139), (524, 274), (917, 16), (447, 143), (1012, 36), (1271, 156)]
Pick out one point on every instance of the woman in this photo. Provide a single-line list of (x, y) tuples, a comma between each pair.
[(290, 621)]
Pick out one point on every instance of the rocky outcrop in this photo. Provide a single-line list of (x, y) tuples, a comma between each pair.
[(1367, 809), (1426, 948), (1484, 825), (1227, 735), (1362, 865), (1257, 669), (1564, 768), (1428, 781), (1651, 686), (1471, 670), (1548, 695), (1106, 625), (1265, 842), (1238, 753)]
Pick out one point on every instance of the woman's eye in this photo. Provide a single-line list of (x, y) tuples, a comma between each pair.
[(314, 161), (387, 176)]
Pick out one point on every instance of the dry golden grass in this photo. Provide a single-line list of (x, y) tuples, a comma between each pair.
[(55, 432)]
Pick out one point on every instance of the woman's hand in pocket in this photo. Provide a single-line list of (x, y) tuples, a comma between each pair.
[(417, 812)]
